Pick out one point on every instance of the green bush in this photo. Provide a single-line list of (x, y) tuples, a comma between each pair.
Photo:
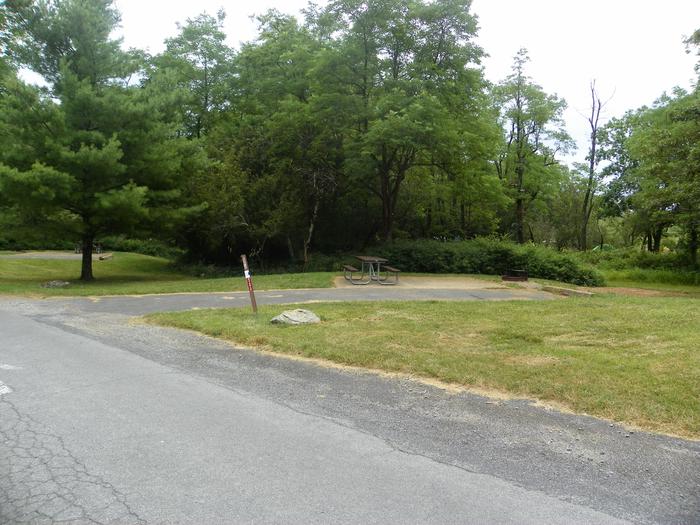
[(319, 262), (151, 247), (11, 244), (488, 256), (625, 258)]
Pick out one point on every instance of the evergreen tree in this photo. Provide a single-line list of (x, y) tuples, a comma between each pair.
[(92, 150)]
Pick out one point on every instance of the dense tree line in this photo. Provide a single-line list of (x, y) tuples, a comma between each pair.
[(367, 122)]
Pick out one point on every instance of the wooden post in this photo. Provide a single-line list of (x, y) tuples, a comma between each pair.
[(249, 282)]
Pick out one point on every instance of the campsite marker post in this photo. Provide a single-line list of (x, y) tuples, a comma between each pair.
[(249, 282)]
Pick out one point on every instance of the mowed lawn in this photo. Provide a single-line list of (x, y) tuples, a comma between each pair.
[(629, 359), (130, 273)]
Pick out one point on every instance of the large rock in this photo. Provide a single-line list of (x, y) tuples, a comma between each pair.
[(298, 316)]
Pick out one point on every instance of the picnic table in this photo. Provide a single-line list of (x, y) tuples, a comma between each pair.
[(372, 270)]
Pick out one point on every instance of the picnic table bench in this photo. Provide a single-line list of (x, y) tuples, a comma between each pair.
[(515, 275), (372, 270)]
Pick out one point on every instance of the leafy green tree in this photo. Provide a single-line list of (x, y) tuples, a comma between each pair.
[(652, 157), (197, 64), (619, 165), (283, 142), (668, 152), (535, 134), (404, 74), (12, 13), (91, 151), (630, 193)]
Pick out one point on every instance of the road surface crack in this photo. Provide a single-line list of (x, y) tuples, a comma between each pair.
[(41, 481)]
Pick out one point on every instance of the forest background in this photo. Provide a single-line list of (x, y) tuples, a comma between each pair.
[(364, 124)]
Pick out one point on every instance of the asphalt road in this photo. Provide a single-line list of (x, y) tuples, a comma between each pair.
[(103, 420)]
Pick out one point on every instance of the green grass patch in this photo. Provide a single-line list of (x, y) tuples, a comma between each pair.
[(627, 359), (653, 277), (129, 273)]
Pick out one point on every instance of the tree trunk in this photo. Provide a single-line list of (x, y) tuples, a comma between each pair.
[(86, 268), (310, 233), (602, 235), (656, 240), (387, 219), (693, 245), (520, 220), (290, 249), (428, 225), (387, 207), (587, 208)]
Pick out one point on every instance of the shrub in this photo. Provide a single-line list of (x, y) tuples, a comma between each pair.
[(151, 247), (13, 244), (624, 258), (488, 256)]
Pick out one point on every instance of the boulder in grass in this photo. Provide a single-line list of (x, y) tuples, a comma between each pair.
[(298, 316), (55, 284)]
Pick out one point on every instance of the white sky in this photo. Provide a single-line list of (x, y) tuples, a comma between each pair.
[(632, 48)]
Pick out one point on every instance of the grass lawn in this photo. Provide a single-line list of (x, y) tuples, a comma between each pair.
[(688, 290), (629, 359), (130, 273), (655, 280)]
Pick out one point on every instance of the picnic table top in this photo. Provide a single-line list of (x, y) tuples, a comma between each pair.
[(370, 259)]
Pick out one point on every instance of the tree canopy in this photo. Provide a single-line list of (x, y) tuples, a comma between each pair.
[(367, 121)]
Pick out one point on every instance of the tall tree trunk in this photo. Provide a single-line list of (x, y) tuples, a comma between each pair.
[(520, 220), (290, 248), (389, 197), (520, 197), (587, 207), (86, 267), (387, 219), (310, 232), (656, 240), (693, 245)]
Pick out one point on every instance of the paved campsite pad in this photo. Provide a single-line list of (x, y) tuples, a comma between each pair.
[(144, 304), (432, 282)]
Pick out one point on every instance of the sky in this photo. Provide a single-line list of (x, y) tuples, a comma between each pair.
[(633, 49)]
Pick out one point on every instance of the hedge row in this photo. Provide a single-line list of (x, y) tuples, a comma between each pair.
[(488, 256)]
